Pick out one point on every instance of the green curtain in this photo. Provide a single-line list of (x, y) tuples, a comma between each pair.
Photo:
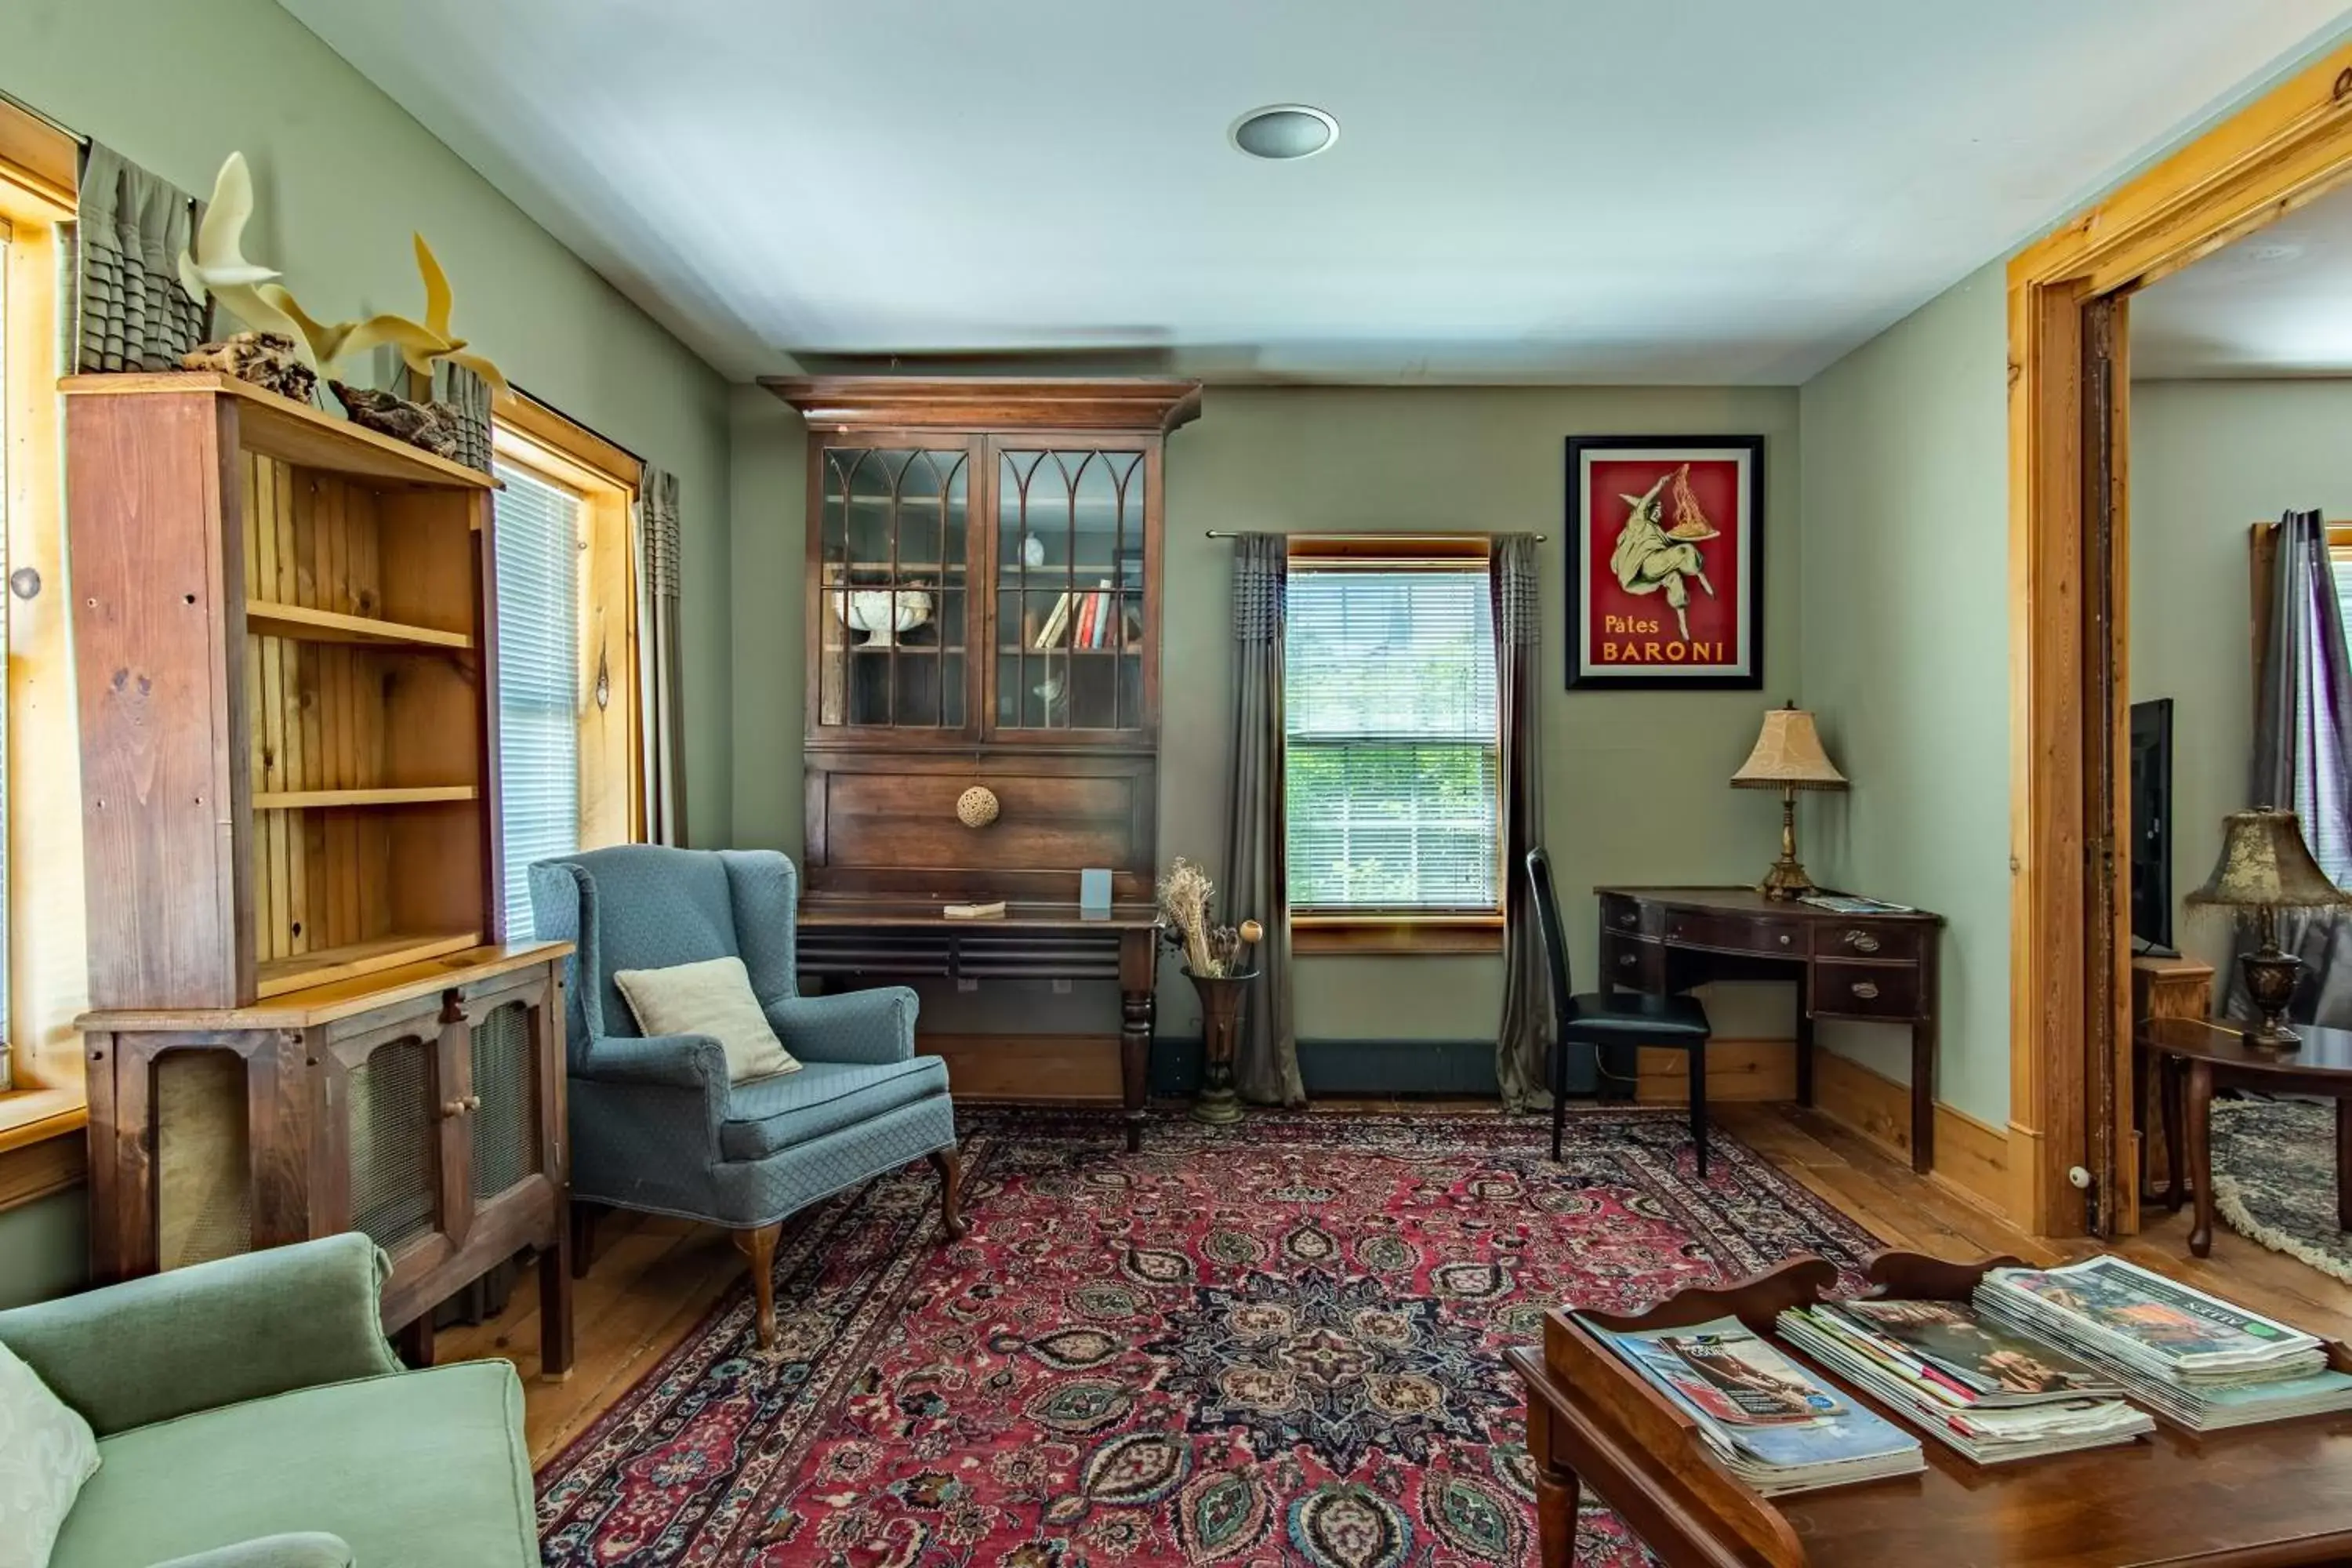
[(1257, 872), (130, 311), (662, 662), (1523, 1042)]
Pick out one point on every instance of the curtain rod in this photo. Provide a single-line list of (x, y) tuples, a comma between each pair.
[(1374, 538), (13, 102)]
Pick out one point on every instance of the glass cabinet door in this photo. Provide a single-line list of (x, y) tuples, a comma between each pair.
[(1070, 601), (892, 600)]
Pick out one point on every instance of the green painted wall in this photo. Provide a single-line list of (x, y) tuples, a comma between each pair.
[(1634, 784), (2209, 458), (1906, 657), (342, 176)]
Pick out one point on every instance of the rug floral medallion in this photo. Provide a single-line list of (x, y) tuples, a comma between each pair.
[(1274, 1343)]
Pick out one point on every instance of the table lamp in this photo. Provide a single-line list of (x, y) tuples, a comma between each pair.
[(1788, 757), (2265, 867)]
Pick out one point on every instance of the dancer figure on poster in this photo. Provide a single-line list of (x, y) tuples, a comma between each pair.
[(1652, 555)]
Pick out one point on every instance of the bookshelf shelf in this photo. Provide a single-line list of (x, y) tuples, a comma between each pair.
[(308, 624)]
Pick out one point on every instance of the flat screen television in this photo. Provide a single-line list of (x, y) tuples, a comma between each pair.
[(2151, 826)]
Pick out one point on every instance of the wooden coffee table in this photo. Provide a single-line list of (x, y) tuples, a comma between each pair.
[(2278, 1494), (2212, 1054)]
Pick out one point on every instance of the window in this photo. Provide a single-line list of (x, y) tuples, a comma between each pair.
[(44, 981), (538, 659), (1391, 772), (567, 646)]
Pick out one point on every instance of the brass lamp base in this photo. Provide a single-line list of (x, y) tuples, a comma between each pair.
[(1786, 880), (2271, 977)]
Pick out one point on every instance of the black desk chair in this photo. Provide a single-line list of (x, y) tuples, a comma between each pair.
[(1613, 1018)]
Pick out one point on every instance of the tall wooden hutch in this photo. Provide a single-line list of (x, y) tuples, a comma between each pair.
[(306, 1019), (983, 677)]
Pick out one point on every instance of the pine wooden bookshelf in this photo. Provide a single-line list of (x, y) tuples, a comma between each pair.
[(306, 1018), (287, 693)]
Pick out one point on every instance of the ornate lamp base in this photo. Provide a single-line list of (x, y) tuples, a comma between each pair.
[(1786, 882), (2271, 977), (1787, 879), (1221, 998)]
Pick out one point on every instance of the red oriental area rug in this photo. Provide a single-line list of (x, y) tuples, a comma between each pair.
[(1274, 1343)]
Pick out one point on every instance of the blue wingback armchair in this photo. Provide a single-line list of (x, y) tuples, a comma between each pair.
[(656, 1126)]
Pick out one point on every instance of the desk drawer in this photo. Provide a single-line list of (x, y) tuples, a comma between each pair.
[(1624, 914), (1632, 963), (1867, 938), (1736, 934), (1865, 990)]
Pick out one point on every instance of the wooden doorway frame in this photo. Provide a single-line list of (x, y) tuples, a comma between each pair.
[(2069, 579)]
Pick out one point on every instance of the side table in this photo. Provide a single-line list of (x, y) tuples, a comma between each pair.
[(2194, 1057)]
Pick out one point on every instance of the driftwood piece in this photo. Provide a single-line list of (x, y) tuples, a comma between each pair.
[(267, 360), (431, 425)]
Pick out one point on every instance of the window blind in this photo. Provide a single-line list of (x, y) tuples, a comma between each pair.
[(1390, 713), (539, 534)]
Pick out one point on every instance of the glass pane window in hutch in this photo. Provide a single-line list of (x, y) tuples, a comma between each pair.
[(894, 601), (1069, 589)]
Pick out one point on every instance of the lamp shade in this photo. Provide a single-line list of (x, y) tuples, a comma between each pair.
[(2266, 865), (1789, 755)]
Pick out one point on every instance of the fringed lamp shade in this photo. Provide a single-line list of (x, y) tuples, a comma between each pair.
[(1789, 755), (2265, 867)]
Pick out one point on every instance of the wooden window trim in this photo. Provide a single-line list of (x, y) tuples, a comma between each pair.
[(41, 162), (612, 777), (45, 952), (1365, 931)]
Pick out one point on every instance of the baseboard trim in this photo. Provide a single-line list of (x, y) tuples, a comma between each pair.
[(1971, 1157)]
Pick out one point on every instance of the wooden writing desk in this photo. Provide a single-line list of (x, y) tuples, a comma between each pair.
[(896, 939), (1878, 968), (2274, 1494)]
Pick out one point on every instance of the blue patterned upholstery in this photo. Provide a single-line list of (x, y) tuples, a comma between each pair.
[(654, 1123)]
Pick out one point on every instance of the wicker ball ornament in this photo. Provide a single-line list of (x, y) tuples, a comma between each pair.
[(976, 807)]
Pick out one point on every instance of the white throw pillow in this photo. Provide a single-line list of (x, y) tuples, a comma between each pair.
[(47, 1452), (713, 997)]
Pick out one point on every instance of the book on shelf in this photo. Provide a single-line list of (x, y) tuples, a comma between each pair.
[(1089, 609), (2205, 1363), (1991, 1393), (1777, 1428), (1057, 622)]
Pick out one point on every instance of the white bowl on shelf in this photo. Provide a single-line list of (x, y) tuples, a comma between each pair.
[(880, 614)]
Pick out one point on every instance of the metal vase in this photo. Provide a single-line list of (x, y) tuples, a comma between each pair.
[(1222, 1001)]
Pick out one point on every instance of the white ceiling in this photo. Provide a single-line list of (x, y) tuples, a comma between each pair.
[(1523, 190), (2276, 303)]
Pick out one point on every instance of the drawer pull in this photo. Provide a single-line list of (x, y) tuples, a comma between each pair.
[(1862, 941), (1627, 919), (1784, 940), (1865, 989), (1627, 960), (977, 807)]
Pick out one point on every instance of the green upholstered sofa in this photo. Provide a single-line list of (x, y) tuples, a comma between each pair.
[(249, 1415)]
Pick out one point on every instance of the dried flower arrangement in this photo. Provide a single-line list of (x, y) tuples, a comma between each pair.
[(1210, 952)]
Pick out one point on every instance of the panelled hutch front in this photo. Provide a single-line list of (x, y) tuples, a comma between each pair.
[(983, 665)]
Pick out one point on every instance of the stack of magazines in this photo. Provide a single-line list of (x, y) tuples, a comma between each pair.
[(1984, 1389), (1778, 1429), (2186, 1355)]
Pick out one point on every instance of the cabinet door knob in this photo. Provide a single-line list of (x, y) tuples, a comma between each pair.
[(1865, 989), (452, 1108), (1862, 941)]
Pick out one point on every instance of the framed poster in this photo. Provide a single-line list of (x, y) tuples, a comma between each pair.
[(1665, 563)]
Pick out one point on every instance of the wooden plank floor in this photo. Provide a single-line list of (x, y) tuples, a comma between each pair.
[(655, 1278)]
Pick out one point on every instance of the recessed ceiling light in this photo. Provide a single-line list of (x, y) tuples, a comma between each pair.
[(1282, 131)]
